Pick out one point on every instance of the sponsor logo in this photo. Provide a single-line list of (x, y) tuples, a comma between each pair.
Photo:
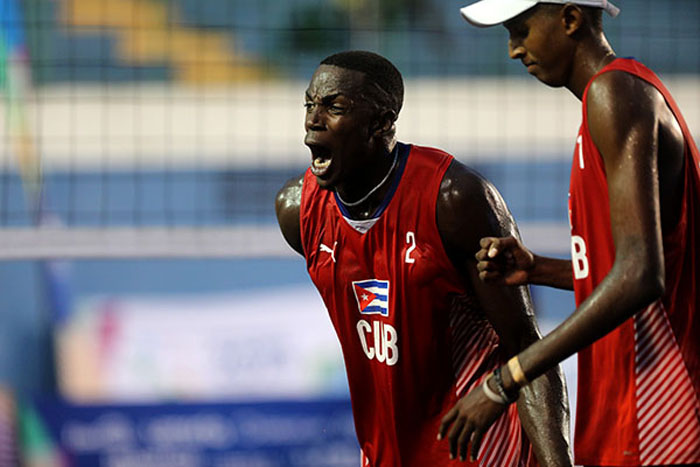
[(326, 249)]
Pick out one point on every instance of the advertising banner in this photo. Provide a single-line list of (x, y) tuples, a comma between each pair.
[(56, 433)]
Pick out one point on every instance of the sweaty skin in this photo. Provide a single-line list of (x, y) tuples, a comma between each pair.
[(641, 144), (468, 208)]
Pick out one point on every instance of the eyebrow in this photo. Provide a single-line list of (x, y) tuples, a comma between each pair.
[(324, 99)]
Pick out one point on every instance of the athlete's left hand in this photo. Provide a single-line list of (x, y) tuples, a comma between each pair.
[(470, 418)]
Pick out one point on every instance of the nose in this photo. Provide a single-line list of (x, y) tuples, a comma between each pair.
[(515, 49), (314, 117)]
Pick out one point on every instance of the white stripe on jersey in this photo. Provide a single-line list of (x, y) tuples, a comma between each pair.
[(668, 412), (474, 342)]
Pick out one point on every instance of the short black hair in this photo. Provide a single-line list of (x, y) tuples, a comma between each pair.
[(377, 69)]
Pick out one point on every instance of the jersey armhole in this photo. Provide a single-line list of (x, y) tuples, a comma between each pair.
[(303, 208)]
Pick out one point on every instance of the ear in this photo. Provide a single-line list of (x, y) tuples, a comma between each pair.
[(384, 122), (572, 18)]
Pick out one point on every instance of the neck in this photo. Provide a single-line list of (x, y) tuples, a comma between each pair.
[(364, 194), (592, 54)]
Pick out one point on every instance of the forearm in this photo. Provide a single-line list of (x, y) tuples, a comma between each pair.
[(543, 407), (624, 291), (551, 272)]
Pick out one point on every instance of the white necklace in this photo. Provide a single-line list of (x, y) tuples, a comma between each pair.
[(371, 192)]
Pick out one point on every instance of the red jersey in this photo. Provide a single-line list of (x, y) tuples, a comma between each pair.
[(412, 338), (638, 387)]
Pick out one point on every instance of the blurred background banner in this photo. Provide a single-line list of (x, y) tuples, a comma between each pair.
[(137, 349), (289, 433), (142, 143)]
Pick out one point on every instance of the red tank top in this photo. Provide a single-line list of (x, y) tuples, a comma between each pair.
[(411, 338), (638, 387)]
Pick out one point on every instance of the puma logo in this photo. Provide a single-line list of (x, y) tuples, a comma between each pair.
[(327, 249)]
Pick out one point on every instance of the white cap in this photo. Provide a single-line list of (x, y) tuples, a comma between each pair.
[(486, 13)]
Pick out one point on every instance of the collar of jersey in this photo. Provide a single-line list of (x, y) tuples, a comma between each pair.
[(403, 150)]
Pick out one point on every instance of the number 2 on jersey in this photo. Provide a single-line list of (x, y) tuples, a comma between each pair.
[(411, 240)]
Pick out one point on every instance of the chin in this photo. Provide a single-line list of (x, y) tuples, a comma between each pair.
[(554, 80), (551, 82), (325, 184)]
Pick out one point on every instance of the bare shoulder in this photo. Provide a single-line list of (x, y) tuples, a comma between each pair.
[(470, 207), (289, 196), (464, 188), (288, 208), (617, 100), (625, 114)]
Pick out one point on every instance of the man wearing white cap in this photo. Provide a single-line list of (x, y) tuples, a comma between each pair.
[(634, 211)]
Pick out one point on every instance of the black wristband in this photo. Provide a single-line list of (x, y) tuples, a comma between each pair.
[(501, 389)]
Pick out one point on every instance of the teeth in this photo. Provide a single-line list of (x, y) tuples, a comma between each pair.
[(321, 163)]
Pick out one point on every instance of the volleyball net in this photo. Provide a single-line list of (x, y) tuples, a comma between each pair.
[(164, 128)]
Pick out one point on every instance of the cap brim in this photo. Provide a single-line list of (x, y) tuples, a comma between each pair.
[(487, 13)]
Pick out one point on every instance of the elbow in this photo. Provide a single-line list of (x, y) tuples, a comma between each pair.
[(642, 273), (651, 283), (656, 284)]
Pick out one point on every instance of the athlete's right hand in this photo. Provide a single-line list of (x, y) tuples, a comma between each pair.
[(504, 261)]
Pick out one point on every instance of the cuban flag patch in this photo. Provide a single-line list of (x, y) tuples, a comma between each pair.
[(372, 296)]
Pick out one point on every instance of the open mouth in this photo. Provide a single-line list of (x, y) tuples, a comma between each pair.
[(321, 160)]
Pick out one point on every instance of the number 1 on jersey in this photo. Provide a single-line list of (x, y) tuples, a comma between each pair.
[(579, 146)]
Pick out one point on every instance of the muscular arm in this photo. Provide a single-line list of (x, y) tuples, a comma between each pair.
[(468, 209), (287, 207), (624, 114), (641, 146)]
